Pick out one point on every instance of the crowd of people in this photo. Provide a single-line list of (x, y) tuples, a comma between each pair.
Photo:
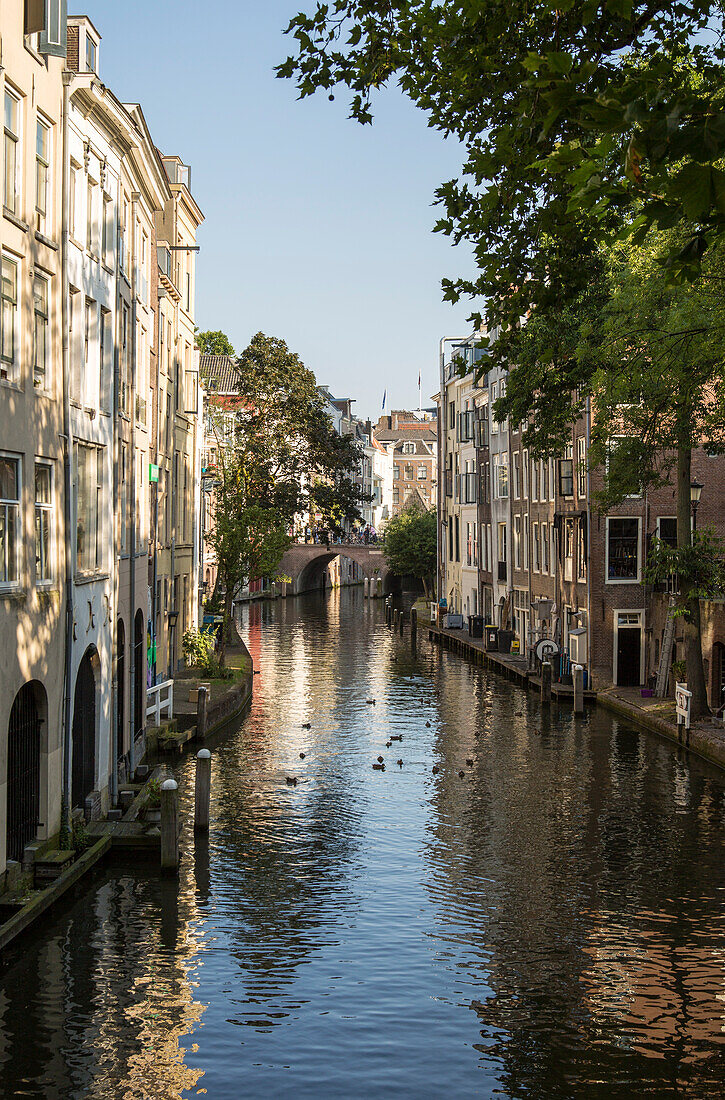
[(324, 536)]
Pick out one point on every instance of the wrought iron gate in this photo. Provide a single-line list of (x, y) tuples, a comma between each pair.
[(23, 772)]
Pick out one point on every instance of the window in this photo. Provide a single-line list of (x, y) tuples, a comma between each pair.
[(408, 472), (52, 38), (11, 198), (536, 564), (451, 415), (76, 382), (408, 448), (107, 229), (396, 472), (91, 219), (91, 54), (89, 507), (9, 521), (89, 322), (622, 549), (566, 472), (501, 476), (667, 530), (123, 506), (143, 283), (494, 421), (422, 472), (582, 551), (106, 358), (504, 422), (188, 292), (73, 200), (469, 546), (568, 549), (516, 476), (544, 548), (396, 495), (502, 553), (525, 470), (43, 523), (9, 319), (517, 542), (581, 467), (42, 175), (41, 332)]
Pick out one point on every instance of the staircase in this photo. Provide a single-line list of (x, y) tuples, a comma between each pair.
[(666, 651)]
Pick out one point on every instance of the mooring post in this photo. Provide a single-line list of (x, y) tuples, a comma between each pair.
[(546, 681), (366, 588), (578, 679), (401, 621), (201, 713), (202, 791), (396, 615), (169, 827)]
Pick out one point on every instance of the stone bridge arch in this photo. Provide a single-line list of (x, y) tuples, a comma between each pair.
[(304, 564)]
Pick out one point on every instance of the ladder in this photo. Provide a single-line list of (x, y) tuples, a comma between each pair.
[(666, 651)]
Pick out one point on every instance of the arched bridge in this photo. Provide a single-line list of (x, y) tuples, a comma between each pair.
[(306, 564)]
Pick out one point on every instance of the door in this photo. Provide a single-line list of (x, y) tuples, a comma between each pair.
[(121, 687), (84, 732), (629, 651), (23, 772)]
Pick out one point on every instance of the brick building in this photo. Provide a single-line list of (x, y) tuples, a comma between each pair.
[(549, 563), (409, 439)]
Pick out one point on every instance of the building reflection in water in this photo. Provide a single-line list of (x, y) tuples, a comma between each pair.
[(591, 912)]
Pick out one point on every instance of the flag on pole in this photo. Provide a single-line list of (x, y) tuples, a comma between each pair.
[(385, 394), (418, 379)]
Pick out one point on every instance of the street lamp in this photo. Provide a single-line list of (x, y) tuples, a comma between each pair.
[(695, 493)]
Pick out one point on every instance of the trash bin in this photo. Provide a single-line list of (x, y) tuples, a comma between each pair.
[(491, 635), (475, 626), (505, 637)]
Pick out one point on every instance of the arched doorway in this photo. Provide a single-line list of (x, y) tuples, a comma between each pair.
[(23, 786), (121, 687), (138, 674), (84, 731)]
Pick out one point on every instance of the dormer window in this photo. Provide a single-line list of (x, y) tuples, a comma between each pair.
[(91, 54)]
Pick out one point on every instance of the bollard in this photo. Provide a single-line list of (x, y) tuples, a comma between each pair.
[(366, 588), (396, 615), (169, 827), (401, 621), (201, 712), (578, 678), (202, 791), (546, 681)]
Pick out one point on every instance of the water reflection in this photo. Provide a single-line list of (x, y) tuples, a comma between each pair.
[(550, 923)]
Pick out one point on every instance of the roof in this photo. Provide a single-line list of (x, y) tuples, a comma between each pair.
[(420, 448), (219, 373), (428, 435)]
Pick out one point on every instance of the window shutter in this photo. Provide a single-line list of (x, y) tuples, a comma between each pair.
[(34, 16), (53, 35)]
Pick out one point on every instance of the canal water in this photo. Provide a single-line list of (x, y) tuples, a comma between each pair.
[(549, 923)]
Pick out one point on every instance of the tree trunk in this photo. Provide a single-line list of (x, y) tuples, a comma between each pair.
[(691, 619)]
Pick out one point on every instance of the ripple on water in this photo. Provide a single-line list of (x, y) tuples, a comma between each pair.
[(550, 925)]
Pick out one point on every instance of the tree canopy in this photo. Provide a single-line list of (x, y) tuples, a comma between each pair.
[(214, 343), (274, 441), (410, 545)]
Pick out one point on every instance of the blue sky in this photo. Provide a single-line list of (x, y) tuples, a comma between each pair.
[(317, 230)]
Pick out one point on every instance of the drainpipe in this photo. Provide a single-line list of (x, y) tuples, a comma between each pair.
[(70, 547), (135, 196)]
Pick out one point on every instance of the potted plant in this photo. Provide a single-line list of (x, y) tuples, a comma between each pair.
[(152, 811)]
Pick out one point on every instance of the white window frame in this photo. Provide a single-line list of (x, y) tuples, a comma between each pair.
[(10, 368), (45, 507), (6, 503), (15, 136), (42, 166), (624, 580), (40, 379)]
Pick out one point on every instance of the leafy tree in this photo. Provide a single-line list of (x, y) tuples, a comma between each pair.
[(214, 343), (410, 545), (569, 113), (274, 442), (648, 354)]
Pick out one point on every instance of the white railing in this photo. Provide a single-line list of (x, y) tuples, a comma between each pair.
[(159, 699)]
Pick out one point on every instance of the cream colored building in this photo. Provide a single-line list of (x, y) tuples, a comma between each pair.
[(177, 445), (32, 532)]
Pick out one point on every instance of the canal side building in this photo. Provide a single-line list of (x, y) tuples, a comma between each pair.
[(550, 564), (32, 528)]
